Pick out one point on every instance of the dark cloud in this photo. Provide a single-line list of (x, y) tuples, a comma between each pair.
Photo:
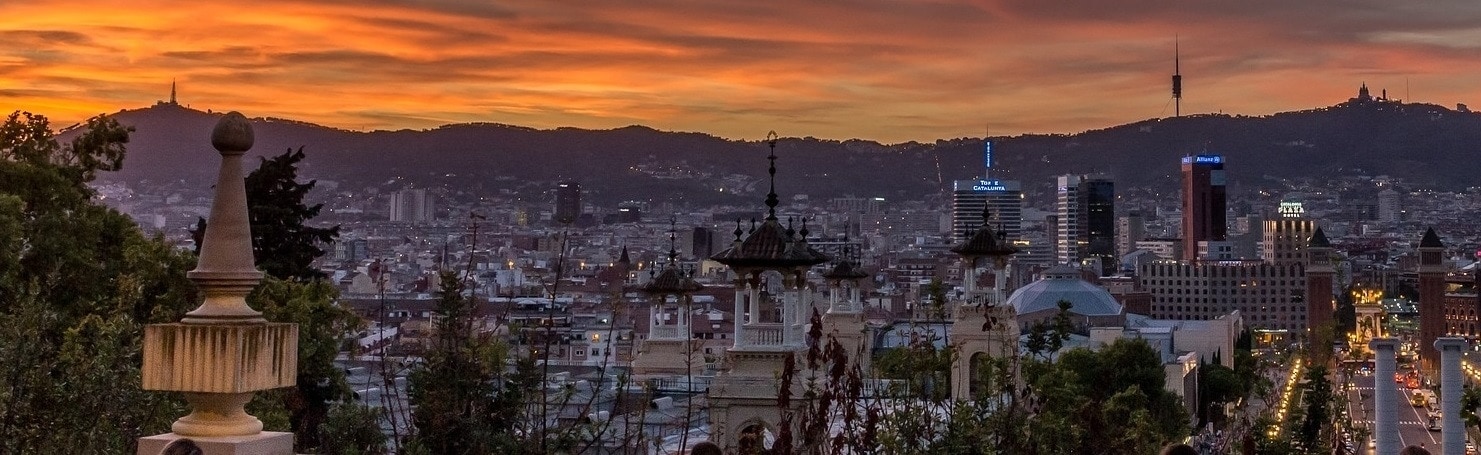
[(44, 38)]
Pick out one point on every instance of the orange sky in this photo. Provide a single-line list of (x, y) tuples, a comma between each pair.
[(888, 70)]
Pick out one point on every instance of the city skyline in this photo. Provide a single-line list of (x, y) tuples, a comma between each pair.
[(882, 71)]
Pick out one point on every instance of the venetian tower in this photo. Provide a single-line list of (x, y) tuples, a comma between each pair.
[(669, 349), (223, 351), (1431, 300), (773, 304), (844, 319), (1320, 302), (982, 325)]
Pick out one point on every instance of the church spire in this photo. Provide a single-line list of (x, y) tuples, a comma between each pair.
[(172, 92)]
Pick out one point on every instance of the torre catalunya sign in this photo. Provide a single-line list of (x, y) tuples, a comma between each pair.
[(989, 185)]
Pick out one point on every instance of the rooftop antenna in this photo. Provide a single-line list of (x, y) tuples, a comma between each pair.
[(986, 152), (1177, 80)]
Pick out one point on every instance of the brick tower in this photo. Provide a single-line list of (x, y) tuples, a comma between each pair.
[(1431, 299), (1320, 303)]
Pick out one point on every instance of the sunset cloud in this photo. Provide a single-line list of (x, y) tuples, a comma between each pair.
[(884, 70)]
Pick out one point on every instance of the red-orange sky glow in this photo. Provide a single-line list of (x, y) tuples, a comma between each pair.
[(884, 70)]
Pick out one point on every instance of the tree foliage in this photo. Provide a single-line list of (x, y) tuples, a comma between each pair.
[(1086, 402), (322, 325), (283, 244), (77, 283), (1316, 396), (352, 429), (464, 399)]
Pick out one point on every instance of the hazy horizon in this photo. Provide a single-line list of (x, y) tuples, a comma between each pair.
[(887, 72)]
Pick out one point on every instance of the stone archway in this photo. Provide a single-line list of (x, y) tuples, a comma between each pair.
[(754, 436), (978, 378)]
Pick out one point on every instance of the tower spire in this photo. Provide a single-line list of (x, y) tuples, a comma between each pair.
[(771, 197), (1177, 79), (673, 231), (172, 92)]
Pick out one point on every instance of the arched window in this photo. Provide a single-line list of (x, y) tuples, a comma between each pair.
[(979, 377)]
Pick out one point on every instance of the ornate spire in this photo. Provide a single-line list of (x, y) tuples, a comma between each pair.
[(771, 197), (673, 230)]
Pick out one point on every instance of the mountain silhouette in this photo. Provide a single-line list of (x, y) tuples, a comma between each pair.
[(1426, 144)]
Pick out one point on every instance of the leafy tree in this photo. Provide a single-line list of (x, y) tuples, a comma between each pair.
[(1125, 373), (352, 429), (924, 368), (322, 324), (283, 245), (1470, 400), (463, 400), (1216, 384), (77, 283), (1316, 395)]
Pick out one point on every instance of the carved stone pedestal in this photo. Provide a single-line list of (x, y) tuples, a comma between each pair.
[(263, 443)]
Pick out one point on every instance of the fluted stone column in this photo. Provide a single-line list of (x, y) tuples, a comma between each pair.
[(1453, 432), (224, 351), (1385, 417)]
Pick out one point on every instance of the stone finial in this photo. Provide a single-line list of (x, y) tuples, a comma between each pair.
[(227, 272), (233, 134), (223, 351)]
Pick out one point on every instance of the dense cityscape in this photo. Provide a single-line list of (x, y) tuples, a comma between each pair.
[(713, 228), (654, 327)]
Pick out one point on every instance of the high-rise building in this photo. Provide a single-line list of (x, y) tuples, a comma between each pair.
[(411, 205), (1051, 232), (1286, 238), (1085, 209), (1068, 216), (567, 202), (1002, 198), (1388, 206), (1129, 230), (1204, 204)]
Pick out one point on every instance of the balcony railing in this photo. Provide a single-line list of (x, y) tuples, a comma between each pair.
[(665, 332), (763, 334)]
